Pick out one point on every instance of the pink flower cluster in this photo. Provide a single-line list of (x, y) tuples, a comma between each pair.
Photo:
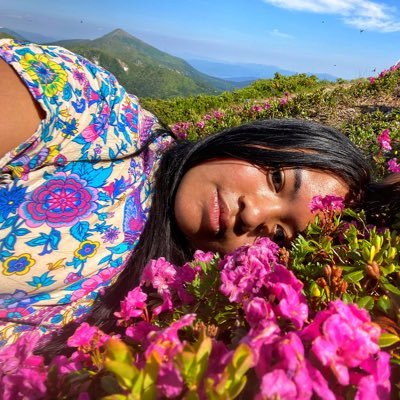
[(393, 165), (252, 274), (22, 374), (329, 203), (335, 354), (339, 348), (384, 140)]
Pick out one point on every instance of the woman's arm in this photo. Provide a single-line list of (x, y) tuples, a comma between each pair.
[(20, 114)]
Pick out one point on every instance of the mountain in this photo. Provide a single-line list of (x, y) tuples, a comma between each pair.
[(247, 72), (145, 70), (8, 33)]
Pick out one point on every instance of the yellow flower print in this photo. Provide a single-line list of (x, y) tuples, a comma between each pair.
[(49, 74), (19, 265), (86, 249)]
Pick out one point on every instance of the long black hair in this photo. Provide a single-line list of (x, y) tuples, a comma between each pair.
[(266, 143)]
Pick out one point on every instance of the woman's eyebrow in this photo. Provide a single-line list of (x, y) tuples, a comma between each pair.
[(297, 183)]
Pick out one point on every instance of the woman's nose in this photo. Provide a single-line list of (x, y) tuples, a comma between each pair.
[(258, 214)]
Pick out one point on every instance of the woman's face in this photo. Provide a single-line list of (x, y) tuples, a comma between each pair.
[(225, 203)]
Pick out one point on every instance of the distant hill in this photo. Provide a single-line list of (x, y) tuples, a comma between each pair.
[(247, 72), (145, 70), (8, 33)]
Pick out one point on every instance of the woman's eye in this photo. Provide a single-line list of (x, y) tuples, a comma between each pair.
[(279, 236), (277, 179)]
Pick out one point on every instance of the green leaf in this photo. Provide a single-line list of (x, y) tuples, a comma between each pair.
[(115, 397), (125, 373), (150, 374), (388, 339), (391, 288), (233, 378), (384, 304), (118, 351), (354, 277), (366, 302)]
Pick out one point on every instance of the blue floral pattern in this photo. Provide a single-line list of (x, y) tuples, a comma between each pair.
[(72, 201)]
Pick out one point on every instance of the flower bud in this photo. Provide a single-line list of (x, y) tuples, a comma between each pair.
[(372, 270), (328, 271), (314, 290)]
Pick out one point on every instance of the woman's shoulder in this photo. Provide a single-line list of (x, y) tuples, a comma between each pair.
[(89, 115)]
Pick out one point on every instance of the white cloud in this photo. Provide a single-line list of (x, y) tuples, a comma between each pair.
[(362, 14), (277, 32)]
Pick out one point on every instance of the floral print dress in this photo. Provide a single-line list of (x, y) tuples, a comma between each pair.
[(73, 201)]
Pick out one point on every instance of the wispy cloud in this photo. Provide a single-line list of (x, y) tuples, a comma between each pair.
[(362, 14), (278, 33)]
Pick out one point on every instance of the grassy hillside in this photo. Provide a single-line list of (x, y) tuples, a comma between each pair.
[(145, 70), (362, 108)]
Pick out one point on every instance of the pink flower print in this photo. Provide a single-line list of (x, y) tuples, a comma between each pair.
[(63, 200), (393, 166), (80, 76), (91, 284), (384, 140), (72, 277), (98, 126)]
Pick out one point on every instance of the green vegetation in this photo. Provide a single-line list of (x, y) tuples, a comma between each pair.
[(145, 70), (360, 108)]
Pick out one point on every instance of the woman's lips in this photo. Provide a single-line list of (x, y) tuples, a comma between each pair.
[(218, 214)]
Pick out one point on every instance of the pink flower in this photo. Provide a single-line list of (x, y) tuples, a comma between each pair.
[(343, 337), (283, 101), (160, 274), (267, 106), (376, 385), (256, 108), (384, 140), (276, 384), (258, 311), (371, 80), (22, 374), (218, 114), (166, 342), (169, 382), (140, 331), (87, 337), (207, 117), (244, 270), (327, 203), (200, 124), (181, 129), (393, 166), (133, 305), (201, 256)]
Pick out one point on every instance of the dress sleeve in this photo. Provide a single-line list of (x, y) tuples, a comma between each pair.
[(89, 116)]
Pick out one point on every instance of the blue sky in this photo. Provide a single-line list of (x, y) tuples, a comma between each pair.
[(346, 38)]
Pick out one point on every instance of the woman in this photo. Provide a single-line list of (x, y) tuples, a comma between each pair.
[(75, 196)]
